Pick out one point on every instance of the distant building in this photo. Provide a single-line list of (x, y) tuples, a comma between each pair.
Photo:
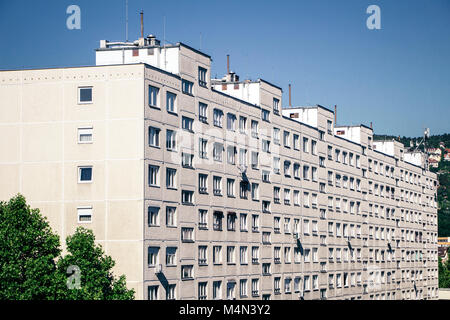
[(443, 245), (433, 163), (441, 144)]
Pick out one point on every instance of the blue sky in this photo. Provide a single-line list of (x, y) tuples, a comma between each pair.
[(397, 77)]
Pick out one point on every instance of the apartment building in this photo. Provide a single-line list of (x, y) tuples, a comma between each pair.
[(205, 188)]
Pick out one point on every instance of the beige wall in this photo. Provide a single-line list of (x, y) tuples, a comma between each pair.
[(40, 115)]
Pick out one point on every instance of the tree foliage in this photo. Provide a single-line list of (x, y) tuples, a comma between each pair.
[(97, 280), (444, 273), (31, 265)]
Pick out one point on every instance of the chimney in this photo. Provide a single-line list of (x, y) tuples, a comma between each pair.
[(371, 125), (290, 104), (335, 114), (228, 63), (142, 23)]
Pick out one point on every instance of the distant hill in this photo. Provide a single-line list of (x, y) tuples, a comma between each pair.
[(432, 141), (443, 175)]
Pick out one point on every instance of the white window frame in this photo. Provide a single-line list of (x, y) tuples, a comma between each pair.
[(92, 95), (80, 213), (79, 174), (81, 131)]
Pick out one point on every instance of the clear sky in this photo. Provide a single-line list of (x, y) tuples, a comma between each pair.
[(397, 77)]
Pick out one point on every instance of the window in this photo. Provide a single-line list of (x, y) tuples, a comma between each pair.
[(170, 178), (265, 115), (153, 175), (255, 255), (218, 151), (276, 165), (202, 77), (305, 144), (152, 292), (266, 146), (170, 140), (243, 255), (187, 234), (255, 287), (85, 135), (255, 191), (276, 136), (266, 206), (265, 176), (242, 124), (218, 117), (243, 222), (202, 257), (217, 185), (254, 129), (230, 187), (305, 172), (231, 122), (243, 287), (203, 219), (266, 238), (153, 216), (202, 290), (170, 292), (217, 254), (255, 223), (153, 94), (330, 127), (217, 290), (230, 255), (186, 160), (314, 147), (84, 214), (231, 285), (295, 142), (84, 174), (314, 174), (171, 102), (202, 150), (84, 95), (255, 160), (286, 139), (296, 170), (187, 123), (202, 112), (187, 272), (231, 221), (171, 216), (171, 256), (153, 256), (276, 106), (153, 136), (187, 197), (243, 157)]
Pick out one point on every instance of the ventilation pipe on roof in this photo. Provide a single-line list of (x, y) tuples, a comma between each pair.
[(290, 104), (335, 114)]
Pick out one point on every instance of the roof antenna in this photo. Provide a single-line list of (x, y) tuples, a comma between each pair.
[(200, 41), (164, 41), (126, 20)]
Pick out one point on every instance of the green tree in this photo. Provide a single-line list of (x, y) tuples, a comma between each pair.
[(28, 251), (96, 279), (444, 274), (31, 265)]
